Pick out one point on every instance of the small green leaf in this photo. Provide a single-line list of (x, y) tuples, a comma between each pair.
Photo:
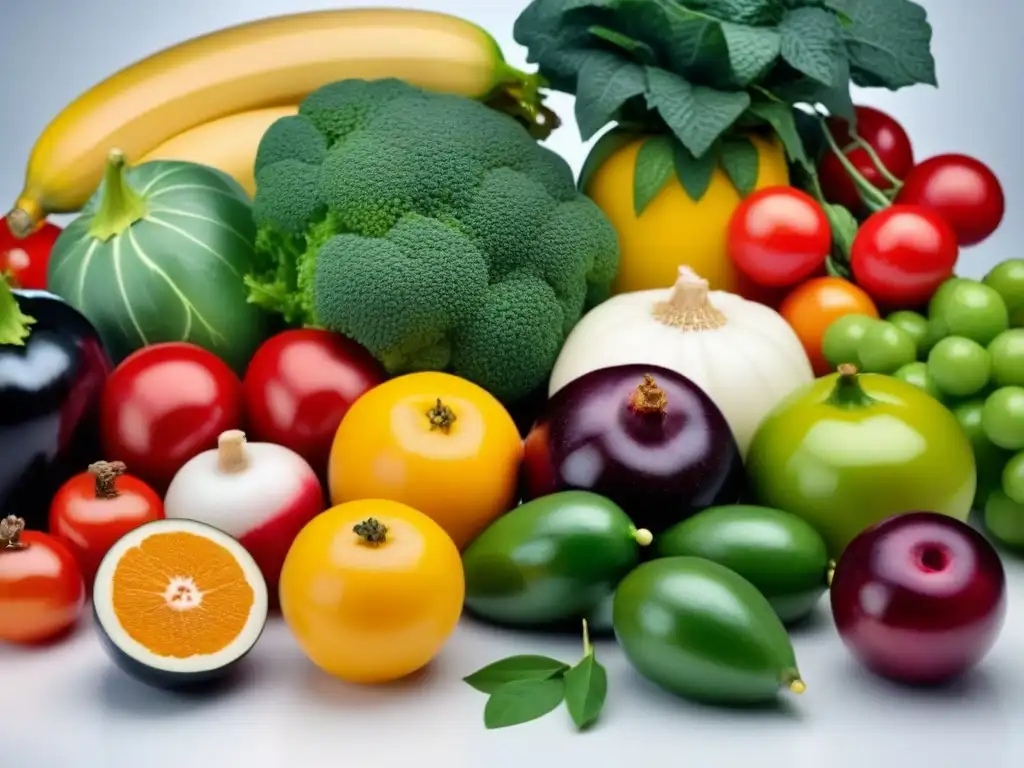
[(844, 228), (782, 119), (696, 114), (836, 99), (741, 164), (14, 324), (586, 687), (694, 173), (654, 164), (521, 701), (605, 82), (639, 50), (812, 43), (836, 269), (606, 146), (752, 50), (753, 12), (525, 667)]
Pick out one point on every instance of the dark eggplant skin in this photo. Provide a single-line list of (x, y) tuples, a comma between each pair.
[(49, 404), (660, 466)]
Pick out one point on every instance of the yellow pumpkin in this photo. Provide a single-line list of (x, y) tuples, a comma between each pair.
[(674, 229)]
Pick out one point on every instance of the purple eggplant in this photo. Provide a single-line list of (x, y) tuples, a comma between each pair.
[(643, 436)]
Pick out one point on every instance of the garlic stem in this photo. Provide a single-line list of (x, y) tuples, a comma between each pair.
[(231, 456)]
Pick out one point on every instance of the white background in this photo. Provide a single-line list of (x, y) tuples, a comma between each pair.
[(67, 707)]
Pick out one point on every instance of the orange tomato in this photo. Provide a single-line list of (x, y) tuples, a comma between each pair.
[(813, 306), (372, 590), (434, 441)]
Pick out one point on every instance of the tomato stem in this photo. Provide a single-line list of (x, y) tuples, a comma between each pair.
[(231, 456), (648, 397), (120, 205), (848, 392), (873, 197), (10, 532), (687, 307), (441, 417), (858, 142), (106, 474), (371, 531)]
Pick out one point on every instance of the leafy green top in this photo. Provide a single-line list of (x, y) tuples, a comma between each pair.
[(14, 324), (706, 72)]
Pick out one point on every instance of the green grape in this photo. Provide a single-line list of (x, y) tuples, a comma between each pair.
[(959, 366), (943, 292), (1004, 519), (1013, 478), (916, 325), (1002, 418), (916, 373), (839, 344), (1007, 353), (973, 310), (988, 458), (1008, 280), (885, 348), (936, 332)]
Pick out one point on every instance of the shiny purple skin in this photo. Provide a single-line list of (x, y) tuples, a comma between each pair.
[(659, 467), (919, 598)]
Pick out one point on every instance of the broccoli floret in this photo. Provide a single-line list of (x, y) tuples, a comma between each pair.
[(429, 228)]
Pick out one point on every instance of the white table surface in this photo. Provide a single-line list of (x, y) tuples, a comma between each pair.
[(67, 706)]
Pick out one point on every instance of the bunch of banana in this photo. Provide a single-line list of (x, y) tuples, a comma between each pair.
[(210, 99)]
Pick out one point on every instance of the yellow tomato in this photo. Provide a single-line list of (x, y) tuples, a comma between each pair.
[(674, 230), (434, 441), (371, 590)]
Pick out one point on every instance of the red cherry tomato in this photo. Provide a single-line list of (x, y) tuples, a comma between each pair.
[(300, 384), (779, 236), (94, 509), (42, 592), (25, 261), (902, 254), (964, 191), (163, 405), (885, 136)]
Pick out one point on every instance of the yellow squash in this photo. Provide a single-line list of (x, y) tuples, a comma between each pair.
[(673, 229)]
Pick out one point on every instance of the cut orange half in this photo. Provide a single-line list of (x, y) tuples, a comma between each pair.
[(178, 603)]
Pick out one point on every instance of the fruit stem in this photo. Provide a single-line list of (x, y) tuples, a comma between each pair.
[(25, 218), (231, 456), (873, 197), (519, 95), (14, 324), (858, 142), (371, 531), (441, 417), (848, 392), (687, 307), (587, 647), (10, 532), (120, 205), (791, 679), (648, 397), (830, 573), (642, 536), (106, 474)]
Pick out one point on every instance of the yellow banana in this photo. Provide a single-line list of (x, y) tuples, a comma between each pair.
[(268, 63), (228, 144)]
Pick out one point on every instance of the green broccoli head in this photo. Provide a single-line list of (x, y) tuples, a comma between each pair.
[(429, 228)]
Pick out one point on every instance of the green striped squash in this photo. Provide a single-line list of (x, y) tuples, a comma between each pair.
[(159, 254)]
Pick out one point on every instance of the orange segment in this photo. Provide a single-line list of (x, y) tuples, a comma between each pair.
[(179, 595)]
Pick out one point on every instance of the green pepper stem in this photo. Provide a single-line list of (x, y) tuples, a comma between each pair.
[(14, 324), (848, 392), (120, 205)]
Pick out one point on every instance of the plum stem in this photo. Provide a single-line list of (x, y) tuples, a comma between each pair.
[(106, 474), (10, 532), (231, 456), (848, 392), (648, 397), (687, 307), (371, 531), (441, 417)]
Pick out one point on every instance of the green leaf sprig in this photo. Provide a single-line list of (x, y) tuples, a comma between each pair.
[(15, 325), (527, 687), (698, 77)]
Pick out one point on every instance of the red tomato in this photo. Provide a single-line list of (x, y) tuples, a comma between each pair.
[(163, 405), (902, 254), (42, 592), (94, 509), (964, 191), (25, 261), (300, 384), (779, 236), (885, 136)]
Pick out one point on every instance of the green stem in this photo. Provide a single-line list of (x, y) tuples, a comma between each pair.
[(848, 392), (873, 197), (120, 205), (896, 184), (587, 647), (14, 324)]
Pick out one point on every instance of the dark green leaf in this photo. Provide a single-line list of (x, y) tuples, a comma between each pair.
[(694, 173), (752, 50), (526, 667), (888, 43), (803, 90), (844, 228), (697, 115), (782, 118), (835, 269), (741, 164), (638, 49), (556, 35), (752, 12), (812, 43), (606, 146), (605, 83), (653, 169), (586, 687), (521, 701)]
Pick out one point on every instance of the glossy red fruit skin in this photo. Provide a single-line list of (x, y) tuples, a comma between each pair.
[(299, 385), (961, 189), (164, 404), (902, 254), (890, 142), (659, 468), (919, 598)]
